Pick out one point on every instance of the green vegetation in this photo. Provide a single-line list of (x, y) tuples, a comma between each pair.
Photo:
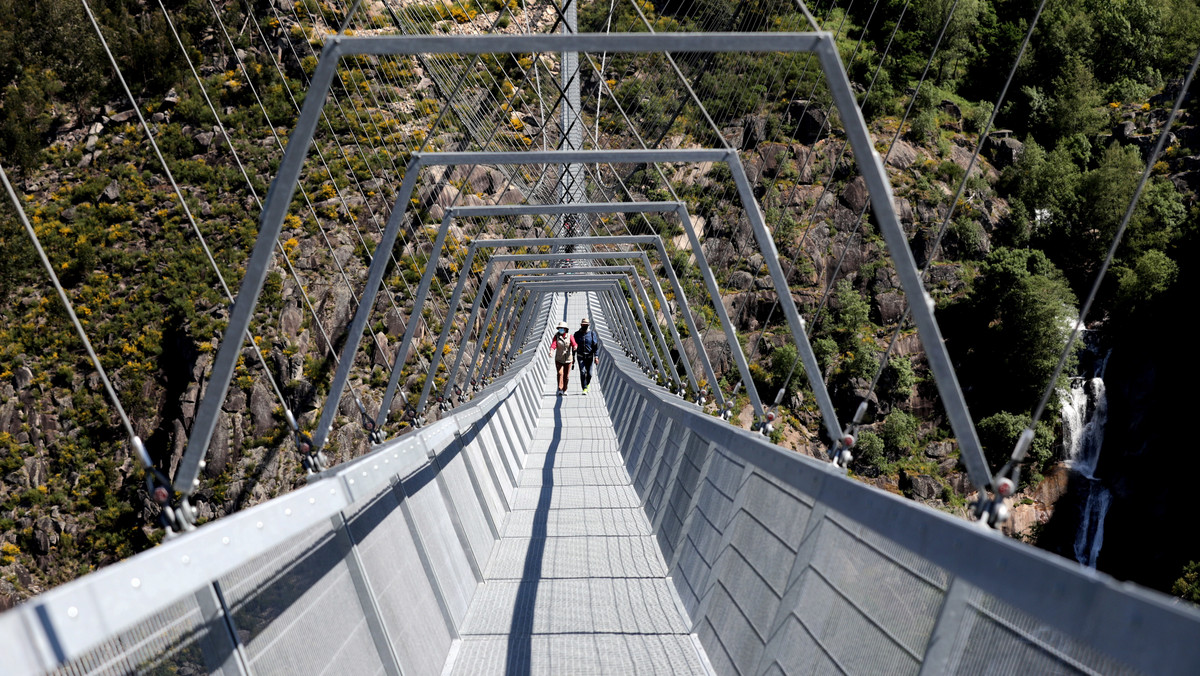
[(1187, 587), (131, 260)]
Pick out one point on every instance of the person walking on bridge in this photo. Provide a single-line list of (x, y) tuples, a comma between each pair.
[(587, 347), (563, 347)]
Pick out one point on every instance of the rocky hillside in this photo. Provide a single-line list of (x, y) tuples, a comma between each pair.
[(71, 495)]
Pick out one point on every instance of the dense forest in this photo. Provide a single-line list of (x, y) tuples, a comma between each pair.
[(1064, 155)]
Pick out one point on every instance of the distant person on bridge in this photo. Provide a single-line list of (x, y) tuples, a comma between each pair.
[(587, 345), (563, 347)]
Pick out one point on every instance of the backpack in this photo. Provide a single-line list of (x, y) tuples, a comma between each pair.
[(587, 344)]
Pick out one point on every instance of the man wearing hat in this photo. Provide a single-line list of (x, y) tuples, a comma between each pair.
[(587, 346), (562, 346)]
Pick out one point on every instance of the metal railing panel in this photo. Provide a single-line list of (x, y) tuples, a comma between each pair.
[(296, 610), (487, 475), (451, 561), (178, 639), (998, 638), (702, 541), (679, 500), (463, 497), (877, 583), (414, 616), (160, 609)]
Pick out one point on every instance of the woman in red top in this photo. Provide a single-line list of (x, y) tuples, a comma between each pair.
[(563, 346)]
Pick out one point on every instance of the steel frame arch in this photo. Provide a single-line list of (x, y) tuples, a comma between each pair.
[(868, 160)]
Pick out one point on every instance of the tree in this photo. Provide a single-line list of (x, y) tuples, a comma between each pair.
[(1149, 276), (1012, 329), (959, 44), (851, 312), (999, 433), (785, 368), (1077, 104), (899, 434), (900, 377), (868, 449), (1042, 188)]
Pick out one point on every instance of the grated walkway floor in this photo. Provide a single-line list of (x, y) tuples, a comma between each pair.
[(576, 584)]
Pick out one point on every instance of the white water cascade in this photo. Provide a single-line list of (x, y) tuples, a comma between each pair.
[(1084, 414)]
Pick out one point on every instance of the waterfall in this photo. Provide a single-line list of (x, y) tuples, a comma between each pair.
[(1084, 415), (1074, 414), (1090, 535)]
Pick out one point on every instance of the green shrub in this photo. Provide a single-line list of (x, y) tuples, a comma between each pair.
[(900, 377), (899, 434), (999, 433), (869, 449)]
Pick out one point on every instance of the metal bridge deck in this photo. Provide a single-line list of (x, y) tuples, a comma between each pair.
[(576, 583)]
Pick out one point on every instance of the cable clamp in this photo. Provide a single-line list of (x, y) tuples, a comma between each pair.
[(312, 458), (373, 432), (175, 519), (993, 510), (840, 454)]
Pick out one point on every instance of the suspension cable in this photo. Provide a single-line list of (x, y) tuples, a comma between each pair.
[(187, 211), (156, 483), (250, 185)]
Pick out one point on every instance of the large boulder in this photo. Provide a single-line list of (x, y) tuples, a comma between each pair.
[(740, 279), (218, 450), (475, 178), (902, 155), (939, 450), (22, 377), (773, 154), (807, 118), (856, 194), (951, 109), (718, 351), (754, 131), (891, 307), (1003, 151), (262, 409), (920, 486), (719, 252), (290, 321)]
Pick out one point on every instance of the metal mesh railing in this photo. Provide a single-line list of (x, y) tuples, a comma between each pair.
[(784, 566), (175, 640), (296, 610), (346, 575)]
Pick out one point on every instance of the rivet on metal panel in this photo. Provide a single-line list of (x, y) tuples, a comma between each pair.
[(351, 482), (312, 501), (287, 512), (225, 540), (364, 472), (259, 525), (72, 612), (136, 582), (185, 559)]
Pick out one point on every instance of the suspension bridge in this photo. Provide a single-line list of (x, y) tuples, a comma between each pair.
[(491, 526)]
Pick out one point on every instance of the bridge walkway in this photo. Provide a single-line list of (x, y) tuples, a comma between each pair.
[(576, 584)]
